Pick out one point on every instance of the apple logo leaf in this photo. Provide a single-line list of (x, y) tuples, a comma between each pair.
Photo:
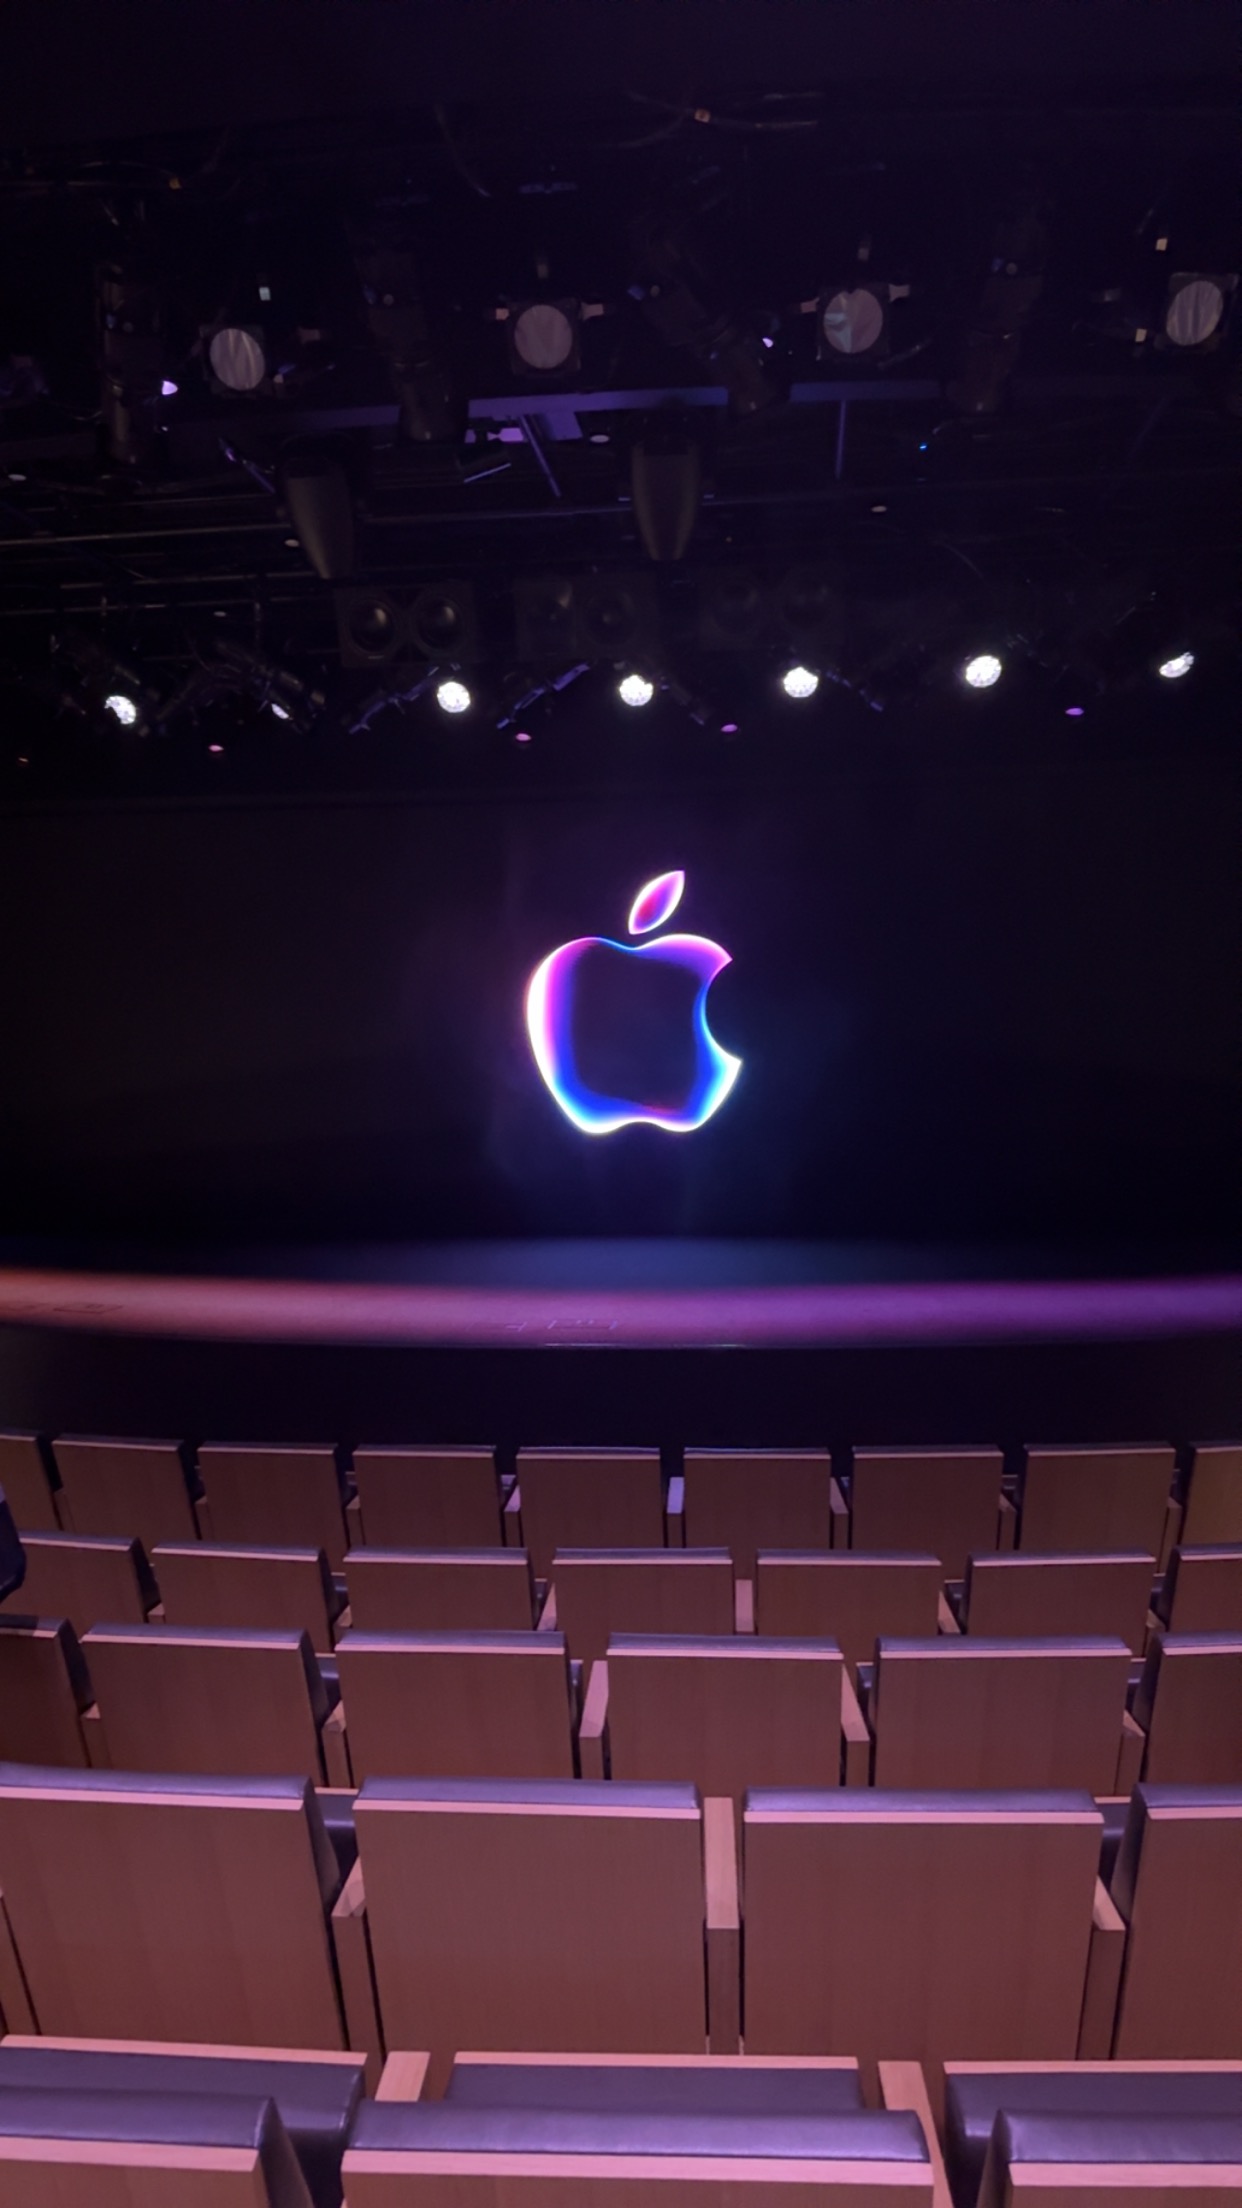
[(656, 902)]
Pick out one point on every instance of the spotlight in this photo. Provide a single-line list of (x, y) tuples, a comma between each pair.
[(850, 322), (122, 708), (684, 302), (317, 495), (453, 697), (543, 337), (799, 682), (666, 483), (1010, 291), (279, 712), (982, 671), (168, 389), (1195, 309), (416, 353), (634, 689), (236, 358), (1173, 669)]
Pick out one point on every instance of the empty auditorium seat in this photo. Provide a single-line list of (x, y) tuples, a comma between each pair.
[(849, 1597), (599, 1592), (428, 1498), (206, 1583), (1176, 1882), (938, 1924), (686, 2085), (316, 2095), (1202, 1591), (211, 1698), (139, 1489), (44, 1691), (464, 1705), (604, 1498), (535, 1915), (440, 1590), (1123, 2160), (86, 1578), (142, 1907), (1009, 1713), (745, 1500), (1085, 1501), (936, 1502), (62, 2149), (1189, 1704), (576, 2156), (725, 1714), (281, 1498), (977, 2093), (1213, 1501), (25, 1481), (1026, 1595)]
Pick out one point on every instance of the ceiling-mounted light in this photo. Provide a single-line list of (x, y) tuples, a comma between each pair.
[(1174, 668), (236, 358), (799, 682), (543, 337), (453, 697), (634, 689), (982, 671), (122, 708), (1195, 308)]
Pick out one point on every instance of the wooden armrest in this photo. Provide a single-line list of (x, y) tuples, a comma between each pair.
[(903, 2085), (511, 1519), (744, 1606), (201, 1508), (1006, 1525), (355, 1531), (593, 1731), (352, 1947), (855, 1735), (342, 1623), (95, 1739), (723, 1920), (1130, 1752), (675, 1512), (16, 2014), (547, 1616), (1173, 1517), (1105, 1955), (336, 1765), (404, 2078), (945, 1620), (838, 1518)]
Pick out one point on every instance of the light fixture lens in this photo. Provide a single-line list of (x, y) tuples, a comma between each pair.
[(168, 389), (123, 709), (852, 321), (1194, 312), (1173, 669), (982, 671), (799, 682), (453, 697), (237, 360), (635, 690), (543, 337), (281, 712)]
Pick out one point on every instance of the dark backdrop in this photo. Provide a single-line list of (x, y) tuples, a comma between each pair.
[(973, 1003)]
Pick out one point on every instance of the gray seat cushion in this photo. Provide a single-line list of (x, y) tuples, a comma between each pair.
[(1039, 2137), (160, 2119), (973, 2101), (545, 1793), (654, 2089), (316, 2101), (443, 2127)]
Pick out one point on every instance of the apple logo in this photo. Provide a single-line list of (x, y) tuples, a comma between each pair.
[(551, 1003)]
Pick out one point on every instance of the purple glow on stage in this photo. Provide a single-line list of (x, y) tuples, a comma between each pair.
[(656, 903), (549, 1019)]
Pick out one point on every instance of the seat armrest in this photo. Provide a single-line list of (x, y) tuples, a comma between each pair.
[(1006, 1526), (1130, 1753), (744, 1606), (903, 2085), (855, 1735), (945, 1620), (352, 1947), (723, 1920), (547, 1616), (1105, 1955), (336, 1765), (838, 1517), (16, 2014), (593, 1731), (404, 2077), (511, 1519), (675, 1512)]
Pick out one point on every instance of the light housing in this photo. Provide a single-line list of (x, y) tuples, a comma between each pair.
[(452, 696), (799, 682), (982, 671), (635, 689)]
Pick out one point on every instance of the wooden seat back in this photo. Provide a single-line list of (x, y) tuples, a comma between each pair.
[(745, 1500), (428, 1498), (725, 1714), (137, 1489), (1177, 1880), (1213, 1502), (440, 1590), (25, 1484), (209, 1583), (577, 1498), (1086, 1501), (600, 1592), (936, 1502), (275, 1498), (849, 1597), (457, 1705), (207, 1699), (1203, 1590), (1023, 1596), (961, 1712), (85, 1579), (1189, 1703), (44, 1689)]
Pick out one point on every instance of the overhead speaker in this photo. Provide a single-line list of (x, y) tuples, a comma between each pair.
[(735, 610), (320, 506), (610, 615), (666, 486)]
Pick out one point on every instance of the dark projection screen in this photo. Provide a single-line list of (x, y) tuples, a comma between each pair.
[(1000, 1006)]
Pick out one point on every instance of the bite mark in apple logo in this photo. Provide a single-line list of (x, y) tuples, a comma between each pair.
[(549, 1021)]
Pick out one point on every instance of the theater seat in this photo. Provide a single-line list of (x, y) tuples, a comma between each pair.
[(316, 2095), (599, 1592), (1110, 2161), (85, 1578), (572, 1498), (968, 1712), (1189, 1703), (66, 2149), (25, 1481), (1202, 1591), (139, 1489), (212, 1698), (1176, 1882), (428, 1498), (578, 2155), (45, 1690), (466, 1705), (211, 1583), (281, 1498), (440, 1590), (977, 2093)]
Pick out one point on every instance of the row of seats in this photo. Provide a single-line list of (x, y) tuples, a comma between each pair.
[(620, 1918), (195, 2128), (724, 1713), (949, 1504)]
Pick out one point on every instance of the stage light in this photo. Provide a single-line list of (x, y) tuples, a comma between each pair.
[(666, 486), (122, 708), (215, 747), (1173, 669), (521, 736), (799, 682), (852, 321), (415, 349), (544, 337), (982, 671), (319, 501), (685, 296), (280, 712), (453, 697), (1195, 309), (168, 389), (237, 359), (635, 690)]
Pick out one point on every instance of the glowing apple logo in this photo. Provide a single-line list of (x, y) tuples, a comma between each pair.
[(549, 1010)]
